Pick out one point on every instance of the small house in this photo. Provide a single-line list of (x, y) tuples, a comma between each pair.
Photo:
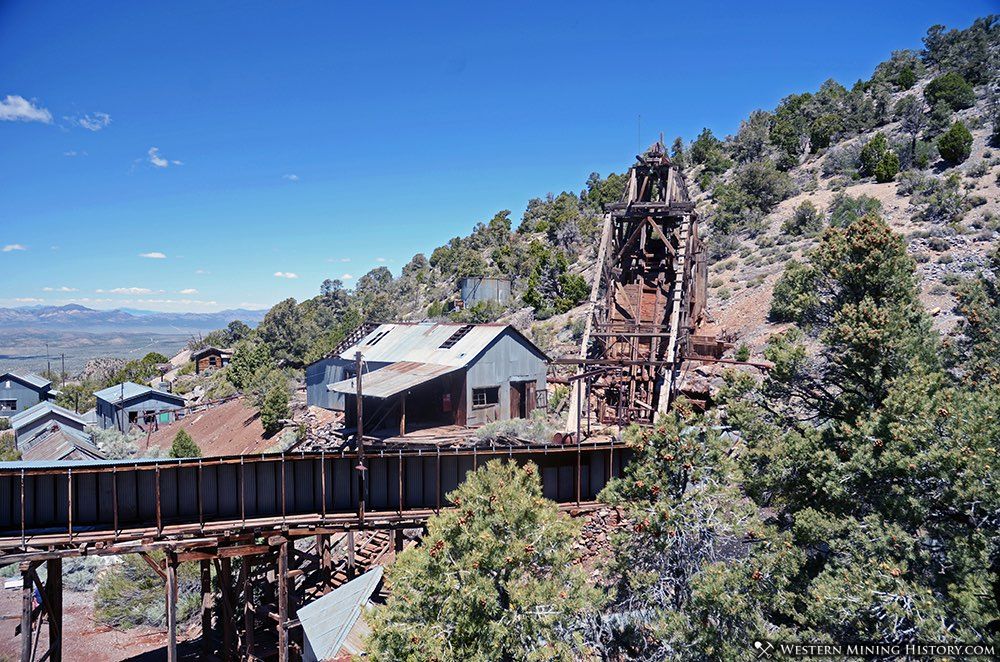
[(42, 417), (129, 405), (50, 432), (428, 375), (22, 391), (207, 359)]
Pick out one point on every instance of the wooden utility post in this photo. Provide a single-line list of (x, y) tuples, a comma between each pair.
[(54, 598), (248, 608), (359, 441), (283, 647), (206, 608), (171, 606), (27, 604)]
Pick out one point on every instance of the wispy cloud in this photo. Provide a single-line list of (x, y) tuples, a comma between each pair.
[(28, 300), (201, 272), (157, 160), (16, 108), (13, 247), (73, 153), (59, 289), (127, 290), (380, 259), (346, 277), (291, 177), (285, 274), (154, 255), (94, 121), (188, 290)]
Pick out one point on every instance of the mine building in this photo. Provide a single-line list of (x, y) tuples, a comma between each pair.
[(128, 405), (429, 375), (210, 358), (22, 391), (474, 289)]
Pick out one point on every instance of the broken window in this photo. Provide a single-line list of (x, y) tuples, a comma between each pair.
[(482, 397), (8, 405)]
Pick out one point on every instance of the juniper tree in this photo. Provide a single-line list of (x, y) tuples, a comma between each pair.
[(184, 445), (494, 578)]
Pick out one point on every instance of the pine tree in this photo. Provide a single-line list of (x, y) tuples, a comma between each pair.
[(184, 445), (494, 578)]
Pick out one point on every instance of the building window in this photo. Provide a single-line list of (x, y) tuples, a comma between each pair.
[(8, 405), (211, 361), (483, 397), (541, 399)]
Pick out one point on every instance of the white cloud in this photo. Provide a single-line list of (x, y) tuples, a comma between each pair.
[(380, 259), (154, 255), (94, 121), (285, 274), (59, 289), (345, 259), (126, 290), (13, 247), (346, 277), (201, 272), (16, 108), (157, 160), (252, 305), (291, 177), (188, 290), (28, 300), (73, 153)]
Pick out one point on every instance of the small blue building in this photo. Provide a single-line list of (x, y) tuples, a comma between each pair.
[(129, 405), (22, 391)]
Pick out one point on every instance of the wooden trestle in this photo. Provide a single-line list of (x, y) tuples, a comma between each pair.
[(240, 518), (646, 301)]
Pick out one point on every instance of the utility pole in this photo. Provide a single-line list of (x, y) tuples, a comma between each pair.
[(48, 362), (62, 375), (359, 440)]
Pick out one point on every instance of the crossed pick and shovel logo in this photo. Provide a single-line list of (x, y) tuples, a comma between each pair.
[(764, 649)]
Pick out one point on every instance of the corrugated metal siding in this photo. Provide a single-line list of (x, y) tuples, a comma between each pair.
[(191, 492), (504, 362), (475, 289), (319, 375)]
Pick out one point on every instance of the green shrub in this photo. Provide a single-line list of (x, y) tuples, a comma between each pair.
[(872, 153), (274, 403), (184, 445), (906, 78), (822, 130), (887, 167), (130, 594), (743, 353), (955, 144), (845, 209), (806, 220), (952, 89)]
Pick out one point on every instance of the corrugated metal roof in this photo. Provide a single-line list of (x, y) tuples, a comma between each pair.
[(59, 444), (129, 390), (28, 378), (392, 379), (326, 622), (32, 414), (421, 343)]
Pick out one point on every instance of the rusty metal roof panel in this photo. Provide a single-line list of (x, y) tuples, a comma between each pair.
[(422, 343), (393, 379)]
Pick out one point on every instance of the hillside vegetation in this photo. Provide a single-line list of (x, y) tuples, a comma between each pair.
[(851, 493)]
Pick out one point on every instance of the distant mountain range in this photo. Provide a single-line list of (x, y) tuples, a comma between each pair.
[(80, 318)]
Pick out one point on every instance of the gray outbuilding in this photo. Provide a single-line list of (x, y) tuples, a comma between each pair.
[(22, 391), (129, 405), (428, 375)]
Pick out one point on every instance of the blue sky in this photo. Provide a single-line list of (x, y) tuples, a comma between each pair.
[(199, 156)]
